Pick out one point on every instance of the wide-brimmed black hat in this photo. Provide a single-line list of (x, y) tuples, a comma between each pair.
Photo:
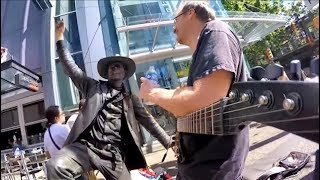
[(103, 65)]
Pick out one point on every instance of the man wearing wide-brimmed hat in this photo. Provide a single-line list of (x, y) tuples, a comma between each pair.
[(105, 135)]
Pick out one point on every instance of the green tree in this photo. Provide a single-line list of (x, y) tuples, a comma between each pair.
[(255, 52)]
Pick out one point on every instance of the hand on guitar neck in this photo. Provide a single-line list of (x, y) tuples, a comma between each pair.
[(288, 105)]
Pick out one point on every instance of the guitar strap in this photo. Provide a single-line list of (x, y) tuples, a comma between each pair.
[(53, 140)]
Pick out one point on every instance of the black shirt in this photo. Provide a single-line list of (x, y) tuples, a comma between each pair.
[(106, 135), (217, 48), (107, 127)]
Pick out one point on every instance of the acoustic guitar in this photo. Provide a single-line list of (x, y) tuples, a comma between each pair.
[(292, 106)]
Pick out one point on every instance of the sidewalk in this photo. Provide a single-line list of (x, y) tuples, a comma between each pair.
[(267, 145), (154, 159)]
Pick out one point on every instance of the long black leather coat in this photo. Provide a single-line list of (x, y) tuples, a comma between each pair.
[(93, 91)]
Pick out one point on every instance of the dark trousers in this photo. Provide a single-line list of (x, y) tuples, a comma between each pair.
[(217, 161), (73, 160)]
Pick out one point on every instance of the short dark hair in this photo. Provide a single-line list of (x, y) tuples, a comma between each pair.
[(51, 113), (81, 103)]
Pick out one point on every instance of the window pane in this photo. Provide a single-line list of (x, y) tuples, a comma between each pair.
[(144, 40), (71, 34), (63, 6), (9, 135), (182, 68), (35, 132), (69, 94), (165, 73), (33, 112), (140, 9), (165, 37), (141, 40), (9, 118)]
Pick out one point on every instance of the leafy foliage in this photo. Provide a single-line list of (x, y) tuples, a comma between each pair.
[(255, 52)]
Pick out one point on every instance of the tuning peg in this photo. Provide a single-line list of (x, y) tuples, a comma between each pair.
[(314, 66), (292, 103), (263, 100), (232, 95), (274, 71), (295, 70), (257, 73), (245, 97), (288, 104)]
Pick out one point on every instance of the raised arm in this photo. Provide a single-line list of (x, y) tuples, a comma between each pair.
[(71, 69)]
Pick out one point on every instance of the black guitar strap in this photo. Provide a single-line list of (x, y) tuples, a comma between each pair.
[(53, 140)]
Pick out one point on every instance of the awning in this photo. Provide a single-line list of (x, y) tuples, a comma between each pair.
[(249, 26), (14, 76)]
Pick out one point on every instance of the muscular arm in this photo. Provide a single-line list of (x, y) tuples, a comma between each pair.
[(214, 67), (205, 91)]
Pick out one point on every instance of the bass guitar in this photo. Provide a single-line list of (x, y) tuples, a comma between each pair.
[(292, 106)]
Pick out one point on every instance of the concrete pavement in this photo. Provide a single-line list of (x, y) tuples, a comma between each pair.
[(267, 146)]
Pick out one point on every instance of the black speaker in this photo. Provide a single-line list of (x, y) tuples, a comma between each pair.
[(314, 66), (274, 71), (257, 73), (295, 70)]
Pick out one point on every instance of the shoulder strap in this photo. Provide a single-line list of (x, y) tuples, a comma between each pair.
[(53, 140)]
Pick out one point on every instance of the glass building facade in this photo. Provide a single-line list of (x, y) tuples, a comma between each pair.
[(23, 112), (92, 32), (68, 94), (82, 30), (171, 71)]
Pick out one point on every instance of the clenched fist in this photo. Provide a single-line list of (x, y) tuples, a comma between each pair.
[(59, 30)]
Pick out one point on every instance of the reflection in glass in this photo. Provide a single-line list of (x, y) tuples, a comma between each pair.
[(5, 136), (9, 118), (71, 34), (35, 132), (33, 112), (69, 95), (63, 6), (140, 12)]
